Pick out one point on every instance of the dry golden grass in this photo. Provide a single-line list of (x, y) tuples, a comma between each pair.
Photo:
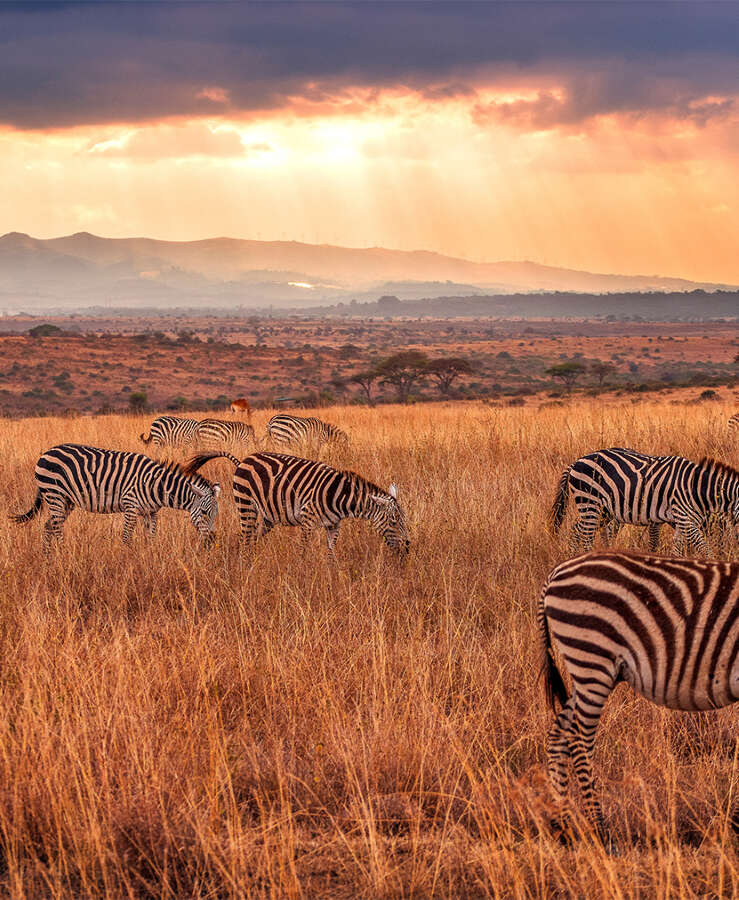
[(177, 722)]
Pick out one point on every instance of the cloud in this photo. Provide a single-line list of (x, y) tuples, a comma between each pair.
[(193, 139), (72, 64)]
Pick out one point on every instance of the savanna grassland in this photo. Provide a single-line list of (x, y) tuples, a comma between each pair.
[(202, 363), (181, 722)]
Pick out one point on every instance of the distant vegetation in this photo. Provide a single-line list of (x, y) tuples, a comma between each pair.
[(89, 365)]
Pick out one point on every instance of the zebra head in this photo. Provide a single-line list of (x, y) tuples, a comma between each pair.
[(389, 520), (204, 508)]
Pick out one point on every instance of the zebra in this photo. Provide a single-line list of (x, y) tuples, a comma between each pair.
[(171, 431), (667, 627), (286, 430), (734, 424), (217, 432), (276, 489), (629, 487), (111, 481)]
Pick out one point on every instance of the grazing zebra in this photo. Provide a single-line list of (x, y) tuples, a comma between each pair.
[(111, 481), (734, 423), (285, 430), (667, 627), (217, 432), (276, 489), (628, 487), (171, 431)]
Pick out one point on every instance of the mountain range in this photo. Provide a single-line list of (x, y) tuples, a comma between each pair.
[(83, 270)]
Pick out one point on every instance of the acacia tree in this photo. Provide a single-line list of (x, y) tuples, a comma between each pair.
[(403, 370), (601, 370), (445, 371), (567, 373), (365, 380)]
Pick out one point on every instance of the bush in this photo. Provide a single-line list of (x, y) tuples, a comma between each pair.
[(137, 402)]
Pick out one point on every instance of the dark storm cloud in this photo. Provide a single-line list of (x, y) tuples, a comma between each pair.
[(65, 64)]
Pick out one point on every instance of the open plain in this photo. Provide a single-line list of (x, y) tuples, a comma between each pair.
[(179, 722)]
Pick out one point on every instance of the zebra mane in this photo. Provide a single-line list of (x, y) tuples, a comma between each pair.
[(718, 466)]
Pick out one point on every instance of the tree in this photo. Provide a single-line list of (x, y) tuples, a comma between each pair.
[(601, 370), (45, 330), (567, 373), (446, 371), (365, 380), (403, 370)]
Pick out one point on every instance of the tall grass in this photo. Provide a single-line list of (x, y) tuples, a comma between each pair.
[(180, 722)]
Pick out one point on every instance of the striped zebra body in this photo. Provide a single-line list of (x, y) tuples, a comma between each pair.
[(222, 432), (284, 431), (734, 424), (113, 481), (631, 488), (276, 489), (667, 627), (171, 431)]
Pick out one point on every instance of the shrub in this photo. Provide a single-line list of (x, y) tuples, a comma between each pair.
[(137, 401)]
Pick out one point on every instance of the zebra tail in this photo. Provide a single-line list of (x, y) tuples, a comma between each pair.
[(32, 512), (554, 685), (559, 507), (146, 440), (195, 462)]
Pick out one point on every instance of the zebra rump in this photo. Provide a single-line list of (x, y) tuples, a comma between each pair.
[(667, 627)]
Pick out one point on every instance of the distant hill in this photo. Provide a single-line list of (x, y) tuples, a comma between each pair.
[(82, 270)]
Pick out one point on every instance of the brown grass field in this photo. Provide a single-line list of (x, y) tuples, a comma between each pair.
[(178, 722)]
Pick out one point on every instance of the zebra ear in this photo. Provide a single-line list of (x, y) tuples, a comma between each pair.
[(216, 488), (393, 491)]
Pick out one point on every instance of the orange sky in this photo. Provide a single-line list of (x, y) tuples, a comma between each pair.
[(482, 175)]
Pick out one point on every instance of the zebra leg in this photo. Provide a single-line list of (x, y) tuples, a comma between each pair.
[(248, 525), (59, 508), (558, 750), (688, 530), (332, 533), (587, 712), (611, 528), (150, 521), (582, 536), (129, 524), (653, 531), (309, 522)]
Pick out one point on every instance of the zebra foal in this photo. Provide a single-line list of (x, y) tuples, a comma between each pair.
[(622, 486), (285, 431), (112, 481), (276, 489), (667, 627), (171, 431)]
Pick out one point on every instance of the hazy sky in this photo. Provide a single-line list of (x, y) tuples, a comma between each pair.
[(594, 135)]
